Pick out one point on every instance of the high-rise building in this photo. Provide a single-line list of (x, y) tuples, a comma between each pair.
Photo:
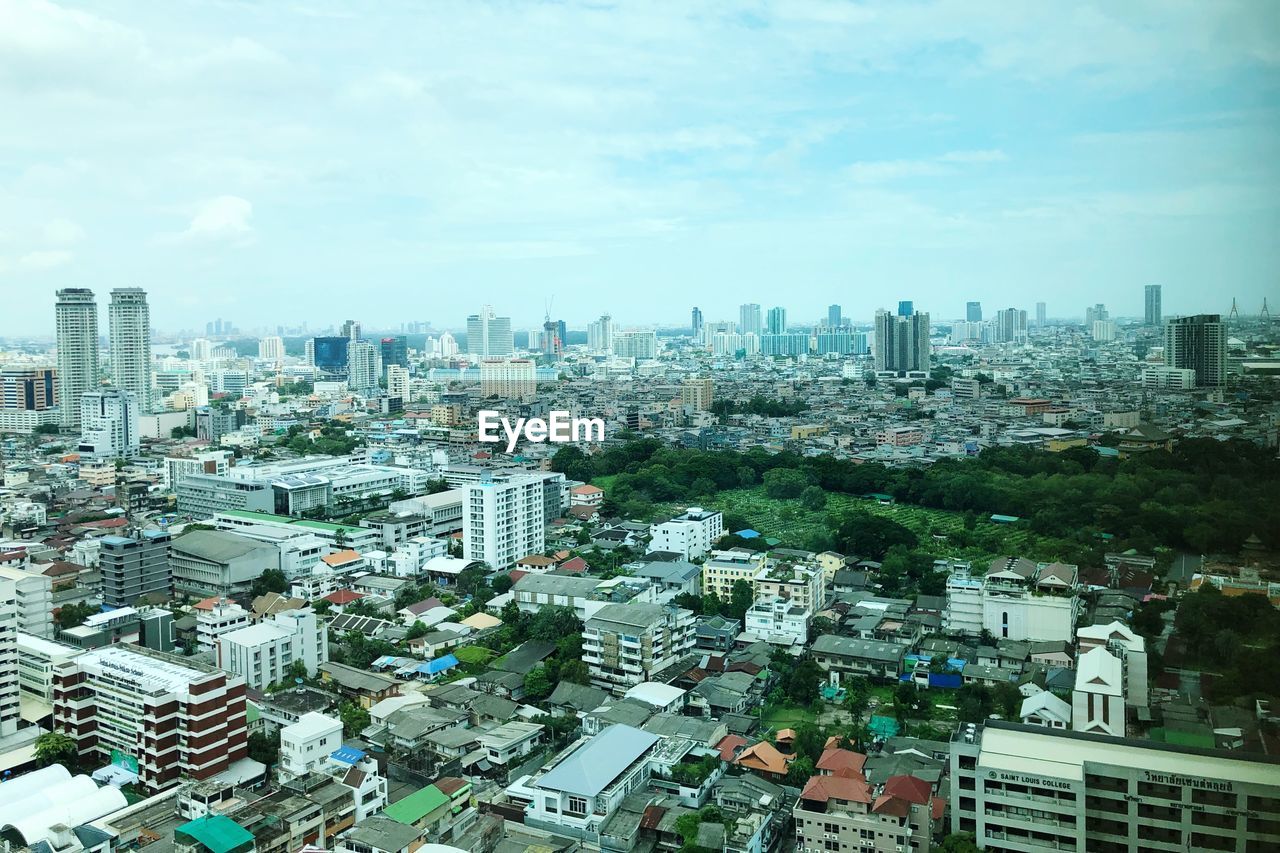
[(10, 714), (364, 367), (134, 566), (696, 321), (1103, 330), (1096, 312), (902, 342), (129, 326), (697, 394), (351, 330), (628, 644), (834, 319), (636, 344), (488, 335), (973, 312), (749, 319), (504, 519), (1198, 343), (553, 336), (600, 335), (1011, 325), (1152, 315), (448, 345), (33, 599), (108, 424), (31, 389), (788, 343), (271, 348), (76, 325), (395, 351), (175, 717), (1041, 311), (398, 382), (906, 308), (202, 349), (509, 378), (776, 321)]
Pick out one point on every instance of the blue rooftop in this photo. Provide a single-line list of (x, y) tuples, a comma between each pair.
[(347, 755), (439, 665), (748, 533)]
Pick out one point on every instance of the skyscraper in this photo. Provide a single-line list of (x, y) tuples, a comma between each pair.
[(351, 330), (395, 350), (1153, 317), (776, 322), (271, 348), (364, 367), (600, 335), (833, 316), (9, 689), (973, 312), (76, 325), (129, 327), (906, 308), (1198, 343), (696, 321), (489, 335), (1011, 325), (902, 342), (1041, 310), (1097, 312), (749, 319)]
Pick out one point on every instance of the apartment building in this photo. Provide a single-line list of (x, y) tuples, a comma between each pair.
[(9, 681), (33, 601), (804, 586), (305, 746), (262, 654), (626, 644), (1021, 788), (134, 566), (840, 811), (505, 519), (692, 534), (176, 717), (724, 568)]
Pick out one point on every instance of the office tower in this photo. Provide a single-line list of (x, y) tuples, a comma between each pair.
[(973, 312), (108, 424), (600, 335), (208, 329), (749, 319), (134, 566), (697, 394), (76, 326), (563, 332), (9, 688), (395, 351), (776, 322), (906, 308), (129, 327), (271, 349), (834, 319), (902, 342), (1097, 312), (1011, 325), (1198, 343), (489, 336), (398, 382), (637, 345), (331, 356), (509, 378), (696, 321), (504, 519), (1041, 310), (1152, 316), (448, 345), (364, 367), (351, 330), (30, 389), (177, 718)]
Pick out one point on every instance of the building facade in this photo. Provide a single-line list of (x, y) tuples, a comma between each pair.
[(134, 566), (129, 326), (76, 328), (626, 644)]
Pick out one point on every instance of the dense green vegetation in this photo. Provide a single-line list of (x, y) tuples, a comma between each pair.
[(1237, 637), (758, 405), (1205, 496)]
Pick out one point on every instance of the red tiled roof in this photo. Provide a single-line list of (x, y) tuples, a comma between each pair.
[(823, 788), (337, 558), (60, 567), (206, 603), (729, 745), (450, 785), (908, 788), (887, 804), (939, 807), (765, 757), (577, 564), (106, 523), (516, 574), (343, 596), (842, 762)]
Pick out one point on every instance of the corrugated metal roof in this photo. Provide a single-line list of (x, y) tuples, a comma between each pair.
[(596, 764)]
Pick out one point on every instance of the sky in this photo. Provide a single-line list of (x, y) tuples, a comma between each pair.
[(278, 162)]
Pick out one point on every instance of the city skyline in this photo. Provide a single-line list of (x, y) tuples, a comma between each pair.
[(233, 162)]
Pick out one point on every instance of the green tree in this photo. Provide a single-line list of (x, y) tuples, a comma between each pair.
[(960, 842), (800, 770), (56, 748), (265, 748), (741, 597), (271, 580), (354, 719), (502, 584), (536, 683), (45, 429), (416, 630), (782, 483), (813, 499), (575, 672), (73, 614)]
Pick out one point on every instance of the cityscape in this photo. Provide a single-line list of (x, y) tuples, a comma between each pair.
[(891, 552)]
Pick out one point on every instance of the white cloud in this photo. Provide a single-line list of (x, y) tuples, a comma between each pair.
[(45, 259), (225, 218), (62, 232), (887, 171)]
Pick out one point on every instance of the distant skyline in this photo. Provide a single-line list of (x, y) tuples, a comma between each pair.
[(397, 162)]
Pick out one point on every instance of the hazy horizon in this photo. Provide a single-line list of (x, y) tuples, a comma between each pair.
[(402, 163)]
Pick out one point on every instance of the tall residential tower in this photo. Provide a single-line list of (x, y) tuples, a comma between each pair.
[(76, 323), (129, 325)]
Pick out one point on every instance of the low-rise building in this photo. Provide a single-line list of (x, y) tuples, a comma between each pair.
[(626, 644)]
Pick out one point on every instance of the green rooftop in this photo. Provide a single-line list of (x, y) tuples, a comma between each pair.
[(219, 833), (417, 805), (268, 518)]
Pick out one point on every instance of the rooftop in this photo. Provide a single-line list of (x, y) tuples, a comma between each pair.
[(595, 764)]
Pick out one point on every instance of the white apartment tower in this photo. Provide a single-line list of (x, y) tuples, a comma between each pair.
[(398, 382), (76, 322), (509, 378), (271, 348), (8, 658), (129, 324), (600, 335), (504, 520), (108, 423), (489, 335)]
